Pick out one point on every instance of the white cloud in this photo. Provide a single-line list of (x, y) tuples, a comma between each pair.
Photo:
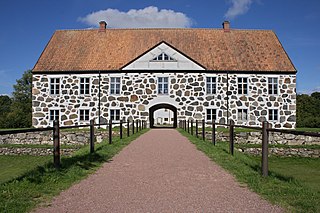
[(239, 7), (149, 17)]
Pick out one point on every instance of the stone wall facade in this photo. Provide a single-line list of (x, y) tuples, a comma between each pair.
[(187, 92)]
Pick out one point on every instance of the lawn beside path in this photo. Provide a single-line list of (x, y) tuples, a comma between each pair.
[(161, 171)]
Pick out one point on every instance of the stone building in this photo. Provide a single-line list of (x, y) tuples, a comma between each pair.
[(212, 74)]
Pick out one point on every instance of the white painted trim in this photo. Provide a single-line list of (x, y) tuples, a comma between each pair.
[(49, 83), (90, 78), (84, 108), (115, 76), (146, 62)]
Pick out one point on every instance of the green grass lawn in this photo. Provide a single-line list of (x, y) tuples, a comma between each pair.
[(22, 192), (291, 182), (15, 166)]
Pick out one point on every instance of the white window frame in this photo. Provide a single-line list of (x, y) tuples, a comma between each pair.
[(211, 114), (86, 84), (274, 85), (55, 85), (163, 55), (242, 118), (243, 86), (55, 110), (110, 114), (84, 115), (162, 83), (272, 114), (115, 85), (212, 85)]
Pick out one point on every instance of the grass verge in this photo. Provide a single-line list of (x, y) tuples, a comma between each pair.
[(41, 184), (280, 187)]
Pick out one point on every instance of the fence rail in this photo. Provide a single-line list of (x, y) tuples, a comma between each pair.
[(140, 125), (265, 129)]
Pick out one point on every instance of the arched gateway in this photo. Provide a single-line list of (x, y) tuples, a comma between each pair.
[(162, 106)]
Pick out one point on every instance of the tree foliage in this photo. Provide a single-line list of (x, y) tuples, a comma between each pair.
[(308, 110), (16, 112)]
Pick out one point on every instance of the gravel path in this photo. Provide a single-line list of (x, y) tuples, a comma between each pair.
[(161, 171)]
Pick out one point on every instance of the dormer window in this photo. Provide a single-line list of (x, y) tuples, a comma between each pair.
[(163, 57)]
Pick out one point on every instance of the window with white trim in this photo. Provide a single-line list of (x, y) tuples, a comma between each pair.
[(211, 114), (115, 114), (84, 114), (163, 57), (115, 83), (211, 85), (273, 114), (54, 114), (54, 86), (242, 86), (163, 85), (84, 86), (243, 115), (273, 86)]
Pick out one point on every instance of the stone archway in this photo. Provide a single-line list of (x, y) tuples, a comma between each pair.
[(162, 106)]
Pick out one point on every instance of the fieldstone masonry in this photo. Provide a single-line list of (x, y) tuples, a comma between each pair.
[(187, 92)]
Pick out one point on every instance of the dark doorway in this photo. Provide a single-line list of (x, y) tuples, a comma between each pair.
[(162, 106)]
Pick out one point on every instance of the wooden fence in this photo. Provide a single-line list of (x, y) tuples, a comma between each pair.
[(265, 129), (135, 126)]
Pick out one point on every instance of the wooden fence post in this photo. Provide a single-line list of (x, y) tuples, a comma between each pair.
[(188, 127), (191, 127), (196, 128), (265, 141), (185, 125), (132, 126), (213, 137), (120, 129), (137, 126), (203, 130), (128, 128), (92, 136), (110, 132), (231, 137), (56, 144), (140, 127)]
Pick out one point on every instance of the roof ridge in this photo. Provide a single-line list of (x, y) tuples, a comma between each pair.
[(128, 29)]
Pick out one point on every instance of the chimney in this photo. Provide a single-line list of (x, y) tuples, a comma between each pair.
[(226, 26), (103, 26)]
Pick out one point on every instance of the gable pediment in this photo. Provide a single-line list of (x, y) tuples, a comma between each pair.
[(163, 57)]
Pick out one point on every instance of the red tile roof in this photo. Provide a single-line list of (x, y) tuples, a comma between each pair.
[(214, 49)]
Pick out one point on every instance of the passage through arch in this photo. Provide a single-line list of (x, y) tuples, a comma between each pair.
[(162, 106)]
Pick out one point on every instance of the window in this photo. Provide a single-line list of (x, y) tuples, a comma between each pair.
[(273, 86), (273, 115), (211, 85), (242, 115), (115, 85), (84, 115), (163, 57), (166, 119), (115, 114), (163, 85), (211, 114), (84, 86), (54, 114), (54, 86), (242, 86)]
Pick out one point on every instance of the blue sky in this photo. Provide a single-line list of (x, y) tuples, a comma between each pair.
[(26, 26)]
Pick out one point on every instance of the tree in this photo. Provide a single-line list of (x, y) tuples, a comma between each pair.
[(308, 110), (5, 104), (20, 113)]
